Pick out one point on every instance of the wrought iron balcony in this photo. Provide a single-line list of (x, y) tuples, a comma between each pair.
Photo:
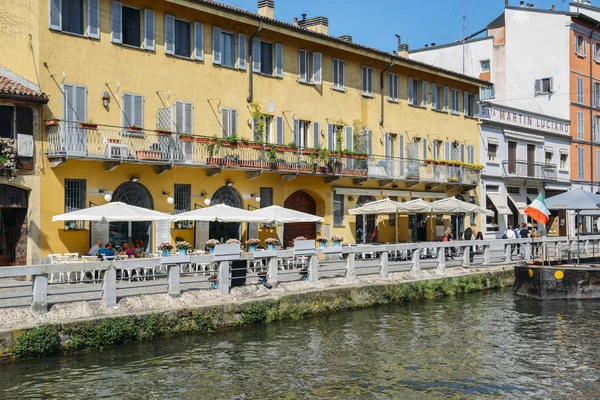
[(529, 170), (112, 144)]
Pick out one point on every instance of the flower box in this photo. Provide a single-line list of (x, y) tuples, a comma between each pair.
[(152, 155), (84, 125), (186, 138), (164, 133), (134, 129), (52, 122)]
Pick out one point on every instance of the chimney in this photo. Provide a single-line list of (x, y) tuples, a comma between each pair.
[(346, 38), (295, 20), (402, 48), (522, 4), (553, 7), (266, 8), (315, 24)]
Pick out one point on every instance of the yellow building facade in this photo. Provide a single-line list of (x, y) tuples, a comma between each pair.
[(157, 100)]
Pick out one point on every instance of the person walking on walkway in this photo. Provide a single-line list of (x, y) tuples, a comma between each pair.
[(510, 234), (468, 235)]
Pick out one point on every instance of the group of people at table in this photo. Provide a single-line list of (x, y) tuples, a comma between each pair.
[(127, 249)]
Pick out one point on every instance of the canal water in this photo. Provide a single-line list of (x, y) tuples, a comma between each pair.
[(481, 345)]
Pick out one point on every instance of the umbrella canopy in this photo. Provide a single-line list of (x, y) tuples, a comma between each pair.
[(415, 206), (453, 205), (218, 213), (576, 199), (385, 206), (282, 215), (113, 212)]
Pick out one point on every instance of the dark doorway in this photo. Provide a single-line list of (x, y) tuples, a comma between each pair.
[(13, 225), (134, 194), (303, 202), (221, 230), (370, 222)]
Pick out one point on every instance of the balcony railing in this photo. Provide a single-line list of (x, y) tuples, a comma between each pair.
[(524, 169), (103, 143)]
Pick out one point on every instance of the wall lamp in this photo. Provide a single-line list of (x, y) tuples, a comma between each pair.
[(107, 195), (170, 200), (206, 200), (256, 197), (229, 183), (134, 179)]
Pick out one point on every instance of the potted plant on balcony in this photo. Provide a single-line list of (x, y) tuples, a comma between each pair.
[(233, 241), (271, 243), (322, 241), (8, 158), (252, 244), (165, 248), (183, 247), (230, 141), (52, 122), (210, 244), (88, 125), (337, 240)]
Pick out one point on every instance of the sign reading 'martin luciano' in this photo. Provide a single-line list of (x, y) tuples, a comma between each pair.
[(524, 120)]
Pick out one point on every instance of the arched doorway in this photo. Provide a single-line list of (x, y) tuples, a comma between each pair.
[(370, 230), (221, 230), (13, 225), (134, 194), (303, 202)]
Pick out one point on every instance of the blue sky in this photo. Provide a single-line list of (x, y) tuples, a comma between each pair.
[(375, 22)]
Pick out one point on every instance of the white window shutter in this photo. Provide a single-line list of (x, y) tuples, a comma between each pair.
[(316, 134), (434, 96), (424, 144), (234, 122), (597, 165), (446, 98), (255, 55), (349, 133), (330, 137), (138, 103), (476, 106), (462, 152), (296, 131), (447, 151), (198, 41), (537, 87), (279, 60), (423, 94), (551, 85), (127, 110), (466, 103), (241, 51), (179, 117), (169, 34), (410, 91), (317, 76), (149, 34), (93, 29), (390, 86), (224, 122), (189, 118), (81, 103), (55, 14), (584, 47), (216, 45), (302, 66), (279, 130), (116, 22)]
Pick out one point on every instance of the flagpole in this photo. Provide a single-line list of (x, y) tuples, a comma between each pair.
[(577, 227)]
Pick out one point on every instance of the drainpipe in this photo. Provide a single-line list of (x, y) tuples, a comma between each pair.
[(250, 76), (382, 86), (592, 108)]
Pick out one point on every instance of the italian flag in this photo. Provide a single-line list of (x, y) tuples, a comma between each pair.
[(538, 211)]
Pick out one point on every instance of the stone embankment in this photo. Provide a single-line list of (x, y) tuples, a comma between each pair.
[(77, 326)]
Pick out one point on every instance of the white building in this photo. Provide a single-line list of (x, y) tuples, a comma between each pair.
[(526, 123)]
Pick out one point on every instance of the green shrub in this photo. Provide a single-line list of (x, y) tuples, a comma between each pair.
[(37, 342), (256, 313)]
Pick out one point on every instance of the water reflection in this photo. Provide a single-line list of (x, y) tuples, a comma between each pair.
[(474, 346)]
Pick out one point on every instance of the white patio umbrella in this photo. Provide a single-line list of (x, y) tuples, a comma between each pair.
[(384, 206), (453, 205), (282, 215), (218, 213), (416, 206), (113, 212)]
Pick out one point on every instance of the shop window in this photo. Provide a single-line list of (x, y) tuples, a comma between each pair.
[(338, 210)]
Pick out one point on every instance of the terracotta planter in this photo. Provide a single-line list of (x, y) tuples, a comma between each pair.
[(152, 155), (83, 125), (52, 122), (204, 140), (164, 133), (134, 129), (227, 144), (186, 138)]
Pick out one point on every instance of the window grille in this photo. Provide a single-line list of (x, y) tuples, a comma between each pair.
[(75, 197)]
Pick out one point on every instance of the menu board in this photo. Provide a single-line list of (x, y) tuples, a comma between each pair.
[(201, 236), (24, 145), (99, 230), (163, 232)]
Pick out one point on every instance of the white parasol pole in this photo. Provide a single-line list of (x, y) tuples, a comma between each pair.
[(577, 227), (396, 226)]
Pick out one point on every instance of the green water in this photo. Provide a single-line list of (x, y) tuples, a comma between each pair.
[(483, 345)]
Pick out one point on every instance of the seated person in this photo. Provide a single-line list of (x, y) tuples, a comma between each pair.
[(94, 249), (139, 248), (106, 251), (128, 250)]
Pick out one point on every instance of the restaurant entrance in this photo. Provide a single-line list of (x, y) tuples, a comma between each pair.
[(13, 225), (134, 194)]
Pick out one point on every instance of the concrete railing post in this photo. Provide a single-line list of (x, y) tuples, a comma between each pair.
[(441, 256), (528, 250), (109, 287), (351, 267), (558, 255), (466, 256), (272, 271), (313, 269), (39, 303), (224, 277), (383, 265), (508, 252), (174, 286), (586, 247), (487, 254), (416, 260)]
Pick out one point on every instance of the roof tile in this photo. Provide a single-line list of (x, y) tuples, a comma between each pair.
[(12, 88)]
